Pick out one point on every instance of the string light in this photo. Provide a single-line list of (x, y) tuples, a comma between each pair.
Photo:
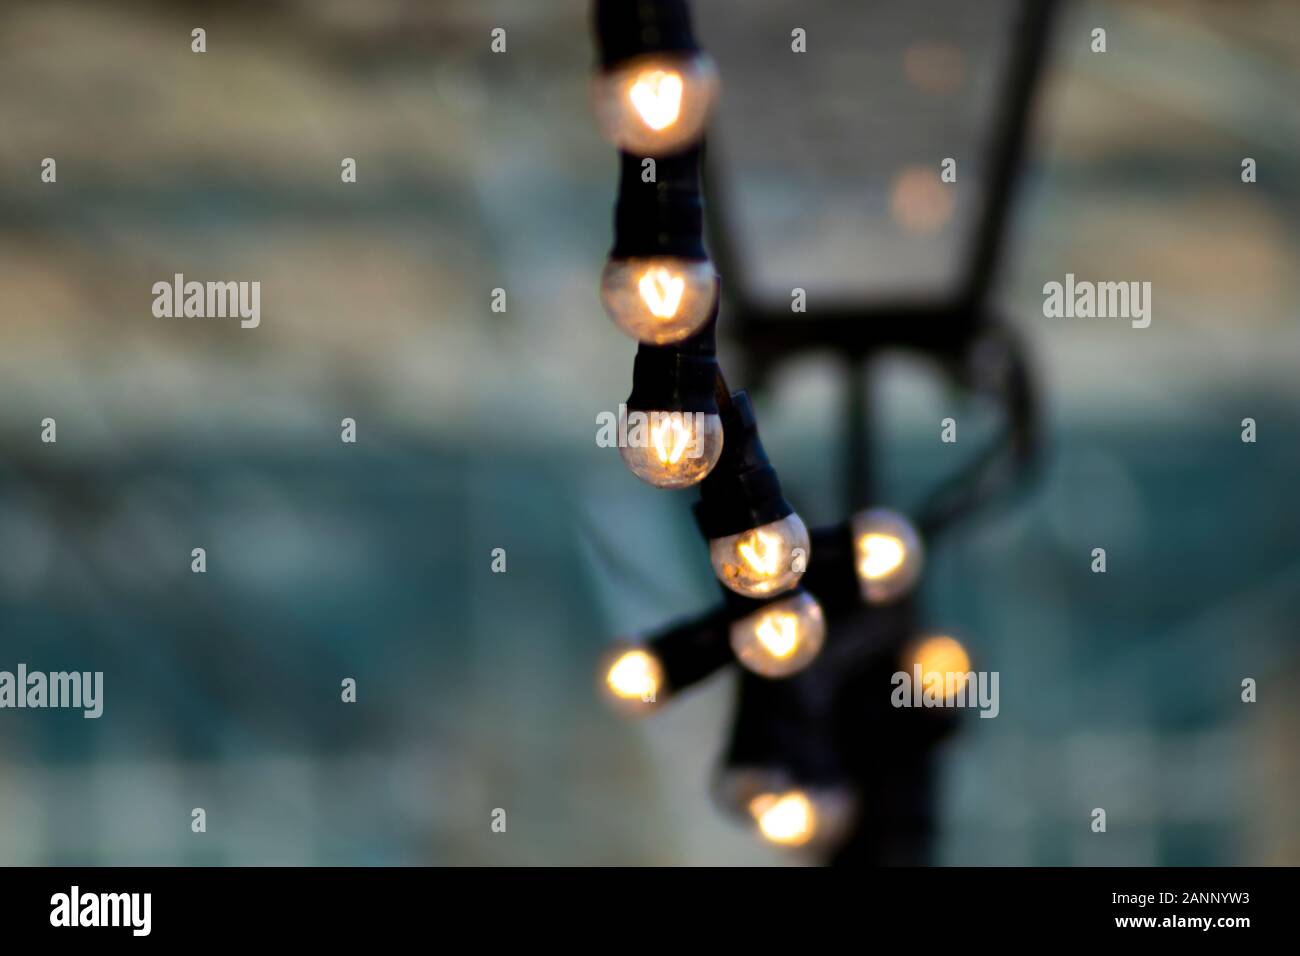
[(658, 299), (679, 450), (802, 818), (790, 801), (943, 662), (780, 638), (637, 677), (758, 545), (659, 286), (652, 99), (887, 555), (763, 560), (781, 773), (655, 105), (634, 679), (681, 434), (655, 88), (788, 819)]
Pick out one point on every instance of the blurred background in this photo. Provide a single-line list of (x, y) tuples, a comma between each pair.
[(476, 429)]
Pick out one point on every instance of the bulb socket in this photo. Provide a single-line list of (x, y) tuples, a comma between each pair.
[(629, 28), (662, 218), (831, 574), (679, 377), (784, 726), (693, 650), (743, 491), (738, 605)]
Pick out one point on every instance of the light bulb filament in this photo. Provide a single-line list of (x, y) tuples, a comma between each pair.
[(662, 292), (762, 552), (881, 554), (788, 819), (680, 438), (634, 675), (778, 632), (657, 96)]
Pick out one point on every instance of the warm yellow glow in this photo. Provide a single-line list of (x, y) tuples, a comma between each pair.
[(940, 657), (659, 299), (781, 638), (762, 551), (655, 104), (674, 450), (778, 632), (788, 819), (657, 96), (880, 555), (888, 555), (636, 675), (764, 560), (670, 436), (661, 291)]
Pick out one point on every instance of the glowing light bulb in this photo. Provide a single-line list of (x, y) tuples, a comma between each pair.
[(781, 638), (788, 819), (671, 449), (887, 555), (944, 664), (659, 299), (634, 679), (786, 810), (661, 291), (669, 441), (764, 560), (657, 96), (778, 633), (655, 104)]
